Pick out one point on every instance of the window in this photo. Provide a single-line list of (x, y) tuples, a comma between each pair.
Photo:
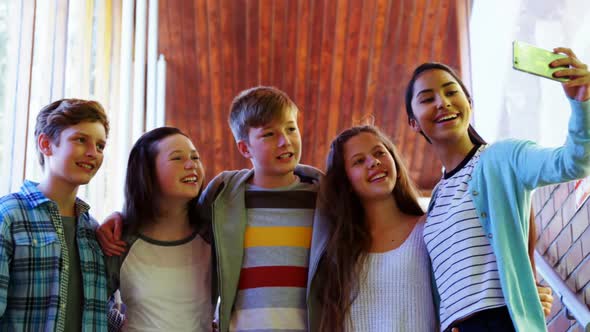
[(51, 50), (11, 28), (3, 66), (509, 103), (58, 49)]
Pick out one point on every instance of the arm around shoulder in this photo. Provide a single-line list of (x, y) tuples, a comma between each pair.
[(209, 195)]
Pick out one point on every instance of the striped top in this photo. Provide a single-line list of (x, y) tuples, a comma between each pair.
[(273, 279), (463, 260), (34, 264), (396, 293)]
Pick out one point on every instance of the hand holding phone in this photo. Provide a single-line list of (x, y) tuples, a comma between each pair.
[(578, 85), (535, 60)]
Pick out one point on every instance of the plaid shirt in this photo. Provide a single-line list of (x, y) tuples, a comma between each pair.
[(34, 262)]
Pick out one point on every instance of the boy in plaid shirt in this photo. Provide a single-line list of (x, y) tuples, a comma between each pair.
[(52, 272)]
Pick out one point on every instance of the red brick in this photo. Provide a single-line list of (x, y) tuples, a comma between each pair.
[(551, 255), (538, 228), (559, 196), (564, 242), (582, 275), (552, 188), (568, 209), (554, 229), (580, 295), (579, 223), (544, 193), (560, 269), (547, 214), (541, 196), (555, 308), (585, 241), (571, 186), (573, 258), (571, 283), (539, 201), (536, 202), (543, 243), (560, 323)]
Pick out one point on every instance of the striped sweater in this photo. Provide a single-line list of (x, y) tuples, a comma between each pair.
[(273, 278)]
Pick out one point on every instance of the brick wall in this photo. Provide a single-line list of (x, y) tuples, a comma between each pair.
[(564, 240)]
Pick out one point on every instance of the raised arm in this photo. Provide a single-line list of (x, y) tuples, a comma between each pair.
[(537, 166)]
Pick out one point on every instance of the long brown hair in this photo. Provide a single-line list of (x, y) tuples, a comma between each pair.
[(341, 268)]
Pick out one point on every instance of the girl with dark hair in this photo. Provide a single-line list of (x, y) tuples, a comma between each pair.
[(478, 223), (374, 274), (165, 276)]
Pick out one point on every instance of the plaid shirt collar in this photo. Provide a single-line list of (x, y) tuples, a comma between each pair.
[(35, 197)]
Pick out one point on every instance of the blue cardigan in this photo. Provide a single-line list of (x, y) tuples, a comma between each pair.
[(501, 186)]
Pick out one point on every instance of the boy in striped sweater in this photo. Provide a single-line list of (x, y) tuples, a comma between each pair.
[(262, 218)]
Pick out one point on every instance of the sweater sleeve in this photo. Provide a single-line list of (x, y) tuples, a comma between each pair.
[(538, 166), (208, 196)]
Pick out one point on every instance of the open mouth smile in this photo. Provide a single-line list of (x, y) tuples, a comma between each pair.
[(87, 166), (285, 155), (377, 176), (446, 118), (190, 179)]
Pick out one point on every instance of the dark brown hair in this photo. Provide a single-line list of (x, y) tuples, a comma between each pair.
[(141, 182), (256, 107), (473, 135), (61, 114), (341, 267)]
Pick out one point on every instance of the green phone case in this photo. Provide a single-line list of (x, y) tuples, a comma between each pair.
[(534, 60)]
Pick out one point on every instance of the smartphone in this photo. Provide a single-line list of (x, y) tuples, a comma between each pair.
[(535, 60)]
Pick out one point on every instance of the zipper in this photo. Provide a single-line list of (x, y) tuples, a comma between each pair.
[(218, 267), (310, 282), (314, 269)]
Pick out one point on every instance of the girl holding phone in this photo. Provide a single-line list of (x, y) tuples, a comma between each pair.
[(478, 223)]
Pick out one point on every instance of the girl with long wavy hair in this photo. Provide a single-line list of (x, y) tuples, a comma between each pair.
[(374, 274)]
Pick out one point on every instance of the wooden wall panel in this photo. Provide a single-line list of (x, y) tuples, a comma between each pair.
[(342, 62)]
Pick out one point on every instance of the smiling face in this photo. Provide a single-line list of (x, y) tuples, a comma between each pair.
[(78, 154), (179, 169), (274, 149), (369, 166), (441, 108)]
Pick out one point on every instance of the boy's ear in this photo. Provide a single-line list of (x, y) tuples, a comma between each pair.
[(244, 149), (44, 144), (415, 126)]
